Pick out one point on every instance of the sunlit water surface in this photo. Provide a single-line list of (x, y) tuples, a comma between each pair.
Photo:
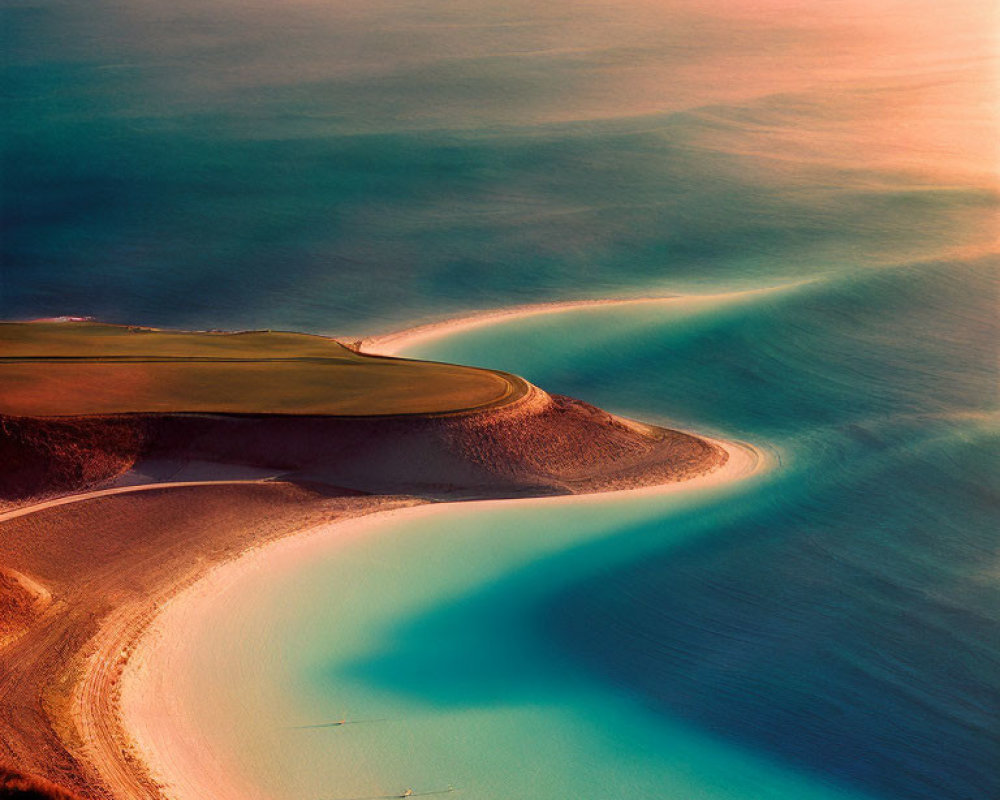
[(828, 629)]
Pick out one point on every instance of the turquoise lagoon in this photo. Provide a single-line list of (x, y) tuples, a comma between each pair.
[(825, 628), (828, 628)]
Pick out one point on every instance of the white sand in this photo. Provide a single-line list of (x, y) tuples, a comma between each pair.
[(394, 343), (166, 731)]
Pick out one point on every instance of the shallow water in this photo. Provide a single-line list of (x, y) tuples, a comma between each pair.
[(845, 621), (830, 629)]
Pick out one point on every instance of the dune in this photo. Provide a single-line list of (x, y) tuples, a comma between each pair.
[(540, 444)]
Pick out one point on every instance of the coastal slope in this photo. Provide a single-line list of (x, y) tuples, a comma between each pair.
[(86, 403), (86, 407)]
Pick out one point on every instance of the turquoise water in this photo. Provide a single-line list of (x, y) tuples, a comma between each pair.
[(830, 629), (825, 629), (347, 167), (438, 653), (844, 620)]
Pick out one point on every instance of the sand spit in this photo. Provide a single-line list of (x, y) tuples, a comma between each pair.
[(394, 343), (105, 563), (107, 566), (90, 564), (391, 344)]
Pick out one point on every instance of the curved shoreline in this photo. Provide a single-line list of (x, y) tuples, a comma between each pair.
[(112, 751), (106, 741), (170, 745), (390, 344)]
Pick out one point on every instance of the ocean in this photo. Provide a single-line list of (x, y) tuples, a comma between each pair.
[(818, 181)]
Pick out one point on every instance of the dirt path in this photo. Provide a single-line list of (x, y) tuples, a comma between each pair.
[(77, 498), (109, 560)]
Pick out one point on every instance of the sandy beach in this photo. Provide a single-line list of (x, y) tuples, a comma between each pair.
[(69, 715), (601, 397), (105, 565), (164, 733), (392, 344)]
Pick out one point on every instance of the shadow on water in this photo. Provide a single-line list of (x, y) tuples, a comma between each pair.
[(452, 655), (839, 624), (854, 633), (841, 616)]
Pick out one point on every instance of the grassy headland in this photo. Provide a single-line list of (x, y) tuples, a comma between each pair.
[(82, 403), (50, 369)]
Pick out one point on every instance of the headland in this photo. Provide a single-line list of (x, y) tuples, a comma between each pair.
[(100, 425)]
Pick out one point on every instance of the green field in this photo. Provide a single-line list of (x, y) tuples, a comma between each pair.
[(85, 368)]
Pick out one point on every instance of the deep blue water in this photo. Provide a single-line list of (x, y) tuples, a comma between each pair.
[(346, 169), (845, 618)]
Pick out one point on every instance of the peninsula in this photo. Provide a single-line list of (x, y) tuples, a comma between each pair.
[(135, 459)]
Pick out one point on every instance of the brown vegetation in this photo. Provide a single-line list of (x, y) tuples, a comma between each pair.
[(92, 369), (51, 456)]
